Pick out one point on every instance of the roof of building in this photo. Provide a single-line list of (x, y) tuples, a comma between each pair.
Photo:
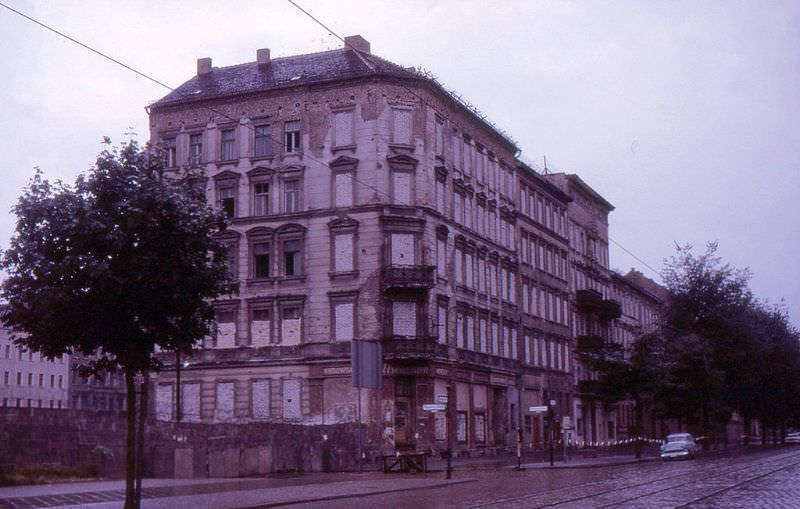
[(643, 284), (281, 72), (583, 186)]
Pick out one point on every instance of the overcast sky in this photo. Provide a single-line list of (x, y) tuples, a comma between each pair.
[(684, 115)]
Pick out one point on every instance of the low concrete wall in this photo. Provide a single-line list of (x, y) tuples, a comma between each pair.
[(72, 437)]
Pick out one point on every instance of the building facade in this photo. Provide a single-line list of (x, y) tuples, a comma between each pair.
[(368, 203), (29, 380)]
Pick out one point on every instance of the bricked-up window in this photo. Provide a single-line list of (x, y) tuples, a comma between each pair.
[(343, 128), (164, 404), (260, 326), (403, 250), (226, 328), (438, 136), (344, 316), (343, 248), (292, 258), (224, 401), (441, 328), (401, 187), (291, 325), (401, 126), (228, 145), (343, 189), (261, 198), (404, 318), (261, 259), (226, 199), (260, 398), (482, 335), (291, 136), (291, 196), (291, 399), (262, 139), (196, 148), (441, 257), (170, 152)]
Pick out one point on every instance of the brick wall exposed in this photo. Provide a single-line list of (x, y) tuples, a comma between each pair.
[(69, 437)]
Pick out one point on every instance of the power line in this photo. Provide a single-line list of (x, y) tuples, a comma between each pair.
[(171, 89), (333, 33)]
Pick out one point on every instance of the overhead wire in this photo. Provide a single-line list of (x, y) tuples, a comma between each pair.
[(250, 127)]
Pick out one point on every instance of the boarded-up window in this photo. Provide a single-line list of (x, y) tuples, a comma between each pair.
[(343, 128), (403, 249), (482, 338), (442, 324), (343, 318), (164, 403), (404, 318), (224, 407), (401, 186), (343, 189), (470, 332), (460, 329), (260, 399), (291, 399), (469, 270), (441, 258), (290, 326), (343, 252), (226, 329), (401, 126), (459, 266), (260, 327), (190, 402)]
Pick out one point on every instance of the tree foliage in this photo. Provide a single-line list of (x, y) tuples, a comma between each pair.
[(119, 263)]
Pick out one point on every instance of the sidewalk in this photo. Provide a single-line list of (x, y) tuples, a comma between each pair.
[(269, 491)]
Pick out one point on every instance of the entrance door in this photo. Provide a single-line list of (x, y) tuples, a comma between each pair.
[(402, 424)]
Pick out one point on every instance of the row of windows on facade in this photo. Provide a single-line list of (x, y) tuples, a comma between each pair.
[(590, 281), (32, 356), (472, 159), (31, 402), (263, 144), (542, 210), (588, 245), (269, 196), (485, 221), (496, 338), (31, 378), (544, 302), (260, 394), (543, 255)]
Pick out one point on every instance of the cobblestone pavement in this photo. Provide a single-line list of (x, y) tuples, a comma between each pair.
[(763, 479)]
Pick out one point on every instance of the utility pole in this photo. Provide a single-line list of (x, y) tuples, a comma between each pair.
[(551, 429), (178, 413), (450, 429)]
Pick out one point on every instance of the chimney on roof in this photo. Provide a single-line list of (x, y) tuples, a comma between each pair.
[(203, 66), (357, 43), (262, 56)]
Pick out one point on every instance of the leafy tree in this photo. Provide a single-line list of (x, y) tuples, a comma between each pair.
[(635, 375), (123, 261)]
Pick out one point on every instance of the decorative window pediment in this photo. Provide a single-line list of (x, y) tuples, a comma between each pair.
[(291, 229), (261, 171), (344, 163), (226, 175), (260, 232), (343, 223), (402, 162)]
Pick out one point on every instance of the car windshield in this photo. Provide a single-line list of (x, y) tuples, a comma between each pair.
[(675, 446)]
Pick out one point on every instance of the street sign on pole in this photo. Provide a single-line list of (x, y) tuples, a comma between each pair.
[(537, 409)]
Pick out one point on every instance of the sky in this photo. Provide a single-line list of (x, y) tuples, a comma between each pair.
[(683, 114)]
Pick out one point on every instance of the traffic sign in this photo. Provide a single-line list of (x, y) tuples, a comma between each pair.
[(442, 399), (434, 407), (537, 409), (566, 422)]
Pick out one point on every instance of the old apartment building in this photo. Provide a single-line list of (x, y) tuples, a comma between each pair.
[(369, 203)]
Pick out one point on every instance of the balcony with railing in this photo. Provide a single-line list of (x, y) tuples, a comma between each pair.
[(592, 301), (408, 277), (412, 349)]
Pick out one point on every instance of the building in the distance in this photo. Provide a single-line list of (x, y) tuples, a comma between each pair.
[(30, 380), (95, 393)]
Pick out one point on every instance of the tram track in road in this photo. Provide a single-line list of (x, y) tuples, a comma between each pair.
[(586, 496)]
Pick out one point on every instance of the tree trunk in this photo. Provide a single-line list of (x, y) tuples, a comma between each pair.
[(140, 439), (639, 428), (746, 432), (130, 443), (706, 420)]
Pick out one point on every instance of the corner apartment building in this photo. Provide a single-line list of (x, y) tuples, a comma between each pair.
[(369, 203), (29, 380)]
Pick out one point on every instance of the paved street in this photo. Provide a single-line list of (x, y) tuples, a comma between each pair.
[(753, 479), (760, 479)]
